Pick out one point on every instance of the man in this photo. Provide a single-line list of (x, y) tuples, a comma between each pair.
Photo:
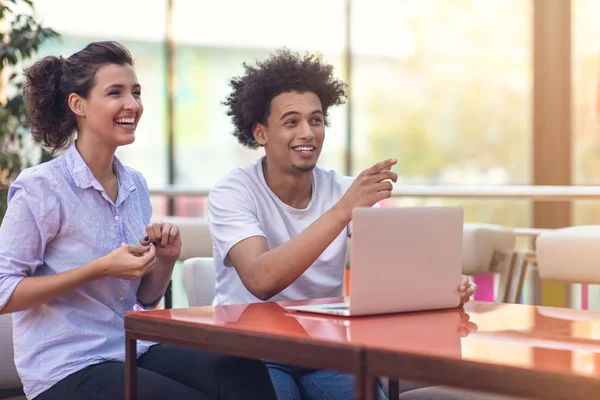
[(280, 225)]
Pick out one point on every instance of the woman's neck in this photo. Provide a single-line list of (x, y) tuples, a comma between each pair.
[(98, 157)]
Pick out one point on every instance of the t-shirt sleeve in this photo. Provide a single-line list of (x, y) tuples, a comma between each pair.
[(232, 217)]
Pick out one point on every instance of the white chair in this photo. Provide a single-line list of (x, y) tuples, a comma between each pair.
[(196, 253), (199, 281), (195, 236), (491, 248), (483, 245), (449, 393), (10, 384), (569, 255)]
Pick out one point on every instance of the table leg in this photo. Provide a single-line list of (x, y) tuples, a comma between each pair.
[(130, 368), (371, 386), (359, 386), (393, 389)]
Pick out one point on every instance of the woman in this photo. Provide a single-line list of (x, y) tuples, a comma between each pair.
[(77, 248)]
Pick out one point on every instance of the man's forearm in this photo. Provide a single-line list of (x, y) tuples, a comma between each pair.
[(278, 268)]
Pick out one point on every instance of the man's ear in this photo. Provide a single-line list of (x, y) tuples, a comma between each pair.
[(76, 104), (260, 133)]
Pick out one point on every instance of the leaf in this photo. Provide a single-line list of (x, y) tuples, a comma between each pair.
[(48, 33), (4, 11)]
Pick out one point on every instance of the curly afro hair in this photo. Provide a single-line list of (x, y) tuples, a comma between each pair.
[(283, 72)]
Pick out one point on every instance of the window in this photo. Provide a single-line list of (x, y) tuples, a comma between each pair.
[(445, 87)]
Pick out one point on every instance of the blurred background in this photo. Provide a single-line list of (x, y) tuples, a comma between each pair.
[(460, 91), (443, 85)]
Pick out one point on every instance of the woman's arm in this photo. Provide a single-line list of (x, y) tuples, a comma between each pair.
[(167, 241), (37, 290), (154, 284), (127, 262)]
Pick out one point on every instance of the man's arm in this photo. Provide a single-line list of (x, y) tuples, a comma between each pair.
[(266, 272)]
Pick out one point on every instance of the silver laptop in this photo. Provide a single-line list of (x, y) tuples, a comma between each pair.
[(402, 259)]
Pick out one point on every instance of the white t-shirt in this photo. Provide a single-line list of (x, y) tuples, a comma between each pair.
[(241, 205)]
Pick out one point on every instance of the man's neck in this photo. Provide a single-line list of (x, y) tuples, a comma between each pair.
[(295, 190)]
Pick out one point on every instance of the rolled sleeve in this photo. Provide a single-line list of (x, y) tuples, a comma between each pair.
[(30, 222), (151, 306)]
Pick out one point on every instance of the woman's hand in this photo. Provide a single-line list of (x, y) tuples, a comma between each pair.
[(129, 262), (166, 238)]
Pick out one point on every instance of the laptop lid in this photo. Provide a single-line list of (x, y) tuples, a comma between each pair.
[(405, 259)]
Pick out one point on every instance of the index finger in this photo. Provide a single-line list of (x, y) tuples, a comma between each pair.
[(151, 252), (381, 165)]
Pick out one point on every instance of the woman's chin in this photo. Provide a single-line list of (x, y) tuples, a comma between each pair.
[(128, 139)]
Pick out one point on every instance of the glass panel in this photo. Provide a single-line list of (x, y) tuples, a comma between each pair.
[(586, 116), (143, 33), (210, 49), (586, 103), (445, 87)]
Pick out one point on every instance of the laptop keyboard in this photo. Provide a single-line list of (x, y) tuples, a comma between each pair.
[(337, 306)]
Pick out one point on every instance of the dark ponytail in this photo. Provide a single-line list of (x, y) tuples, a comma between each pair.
[(51, 80), (52, 122)]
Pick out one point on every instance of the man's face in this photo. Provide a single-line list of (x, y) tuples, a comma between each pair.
[(295, 131)]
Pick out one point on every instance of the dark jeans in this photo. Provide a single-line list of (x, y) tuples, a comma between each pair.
[(170, 372)]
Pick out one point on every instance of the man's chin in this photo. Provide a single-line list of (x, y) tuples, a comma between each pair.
[(303, 167)]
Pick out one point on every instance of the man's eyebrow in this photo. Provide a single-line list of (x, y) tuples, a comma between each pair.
[(287, 114)]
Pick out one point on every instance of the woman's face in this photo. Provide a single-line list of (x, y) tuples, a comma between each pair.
[(113, 107)]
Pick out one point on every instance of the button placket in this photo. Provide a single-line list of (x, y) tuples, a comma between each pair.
[(119, 221)]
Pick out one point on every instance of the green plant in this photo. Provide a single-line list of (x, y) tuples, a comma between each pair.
[(19, 41)]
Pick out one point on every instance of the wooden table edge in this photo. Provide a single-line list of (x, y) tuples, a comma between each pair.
[(286, 350), (478, 376)]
